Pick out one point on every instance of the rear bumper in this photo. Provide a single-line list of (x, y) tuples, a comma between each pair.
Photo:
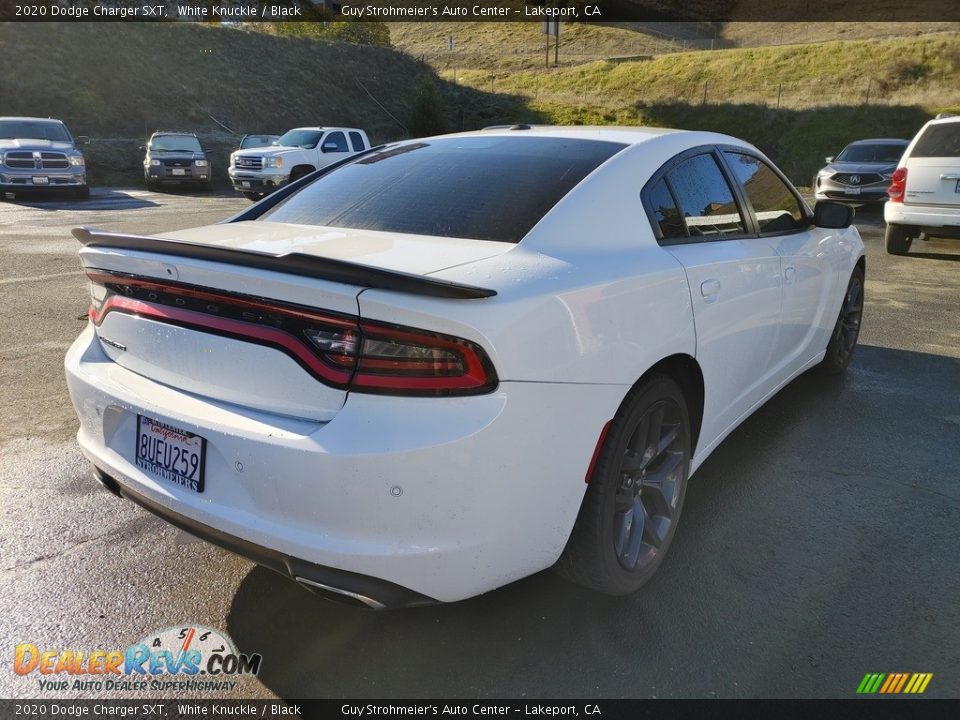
[(444, 497), (930, 219), (330, 582)]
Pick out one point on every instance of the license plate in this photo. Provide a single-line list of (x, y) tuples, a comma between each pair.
[(852, 191), (179, 171), (170, 453), (246, 183), (41, 180)]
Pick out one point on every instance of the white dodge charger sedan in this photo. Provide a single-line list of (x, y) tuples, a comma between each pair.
[(445, 364)]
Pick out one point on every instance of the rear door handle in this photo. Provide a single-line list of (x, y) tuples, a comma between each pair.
[(709, 289)]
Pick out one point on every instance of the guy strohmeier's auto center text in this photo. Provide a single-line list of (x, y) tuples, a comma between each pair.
[(291, 11)]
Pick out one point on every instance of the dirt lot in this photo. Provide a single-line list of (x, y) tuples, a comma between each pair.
[(819, 542)]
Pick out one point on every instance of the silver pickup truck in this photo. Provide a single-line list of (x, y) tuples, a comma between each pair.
[(40, 154)]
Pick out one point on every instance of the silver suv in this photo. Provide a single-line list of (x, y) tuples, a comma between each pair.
[(40, 154)]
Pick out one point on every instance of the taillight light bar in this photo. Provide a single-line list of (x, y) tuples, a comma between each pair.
[(898, 185), (343, 351)]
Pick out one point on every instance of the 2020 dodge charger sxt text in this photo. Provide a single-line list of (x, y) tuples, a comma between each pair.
[(448, 363)]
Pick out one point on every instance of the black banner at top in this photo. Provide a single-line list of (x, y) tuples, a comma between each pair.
[(479, 10)]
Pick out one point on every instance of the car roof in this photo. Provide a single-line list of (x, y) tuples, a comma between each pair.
[(31, 119), (621, 134), (881, 141), (174, 132)]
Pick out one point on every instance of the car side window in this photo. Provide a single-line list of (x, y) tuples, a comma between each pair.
[(705, 199), (356, 140), (665, 210), (335, 138), (776, 207)]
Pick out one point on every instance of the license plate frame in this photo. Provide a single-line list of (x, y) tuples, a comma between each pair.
[(188, 450), (178, 171), (40, 180), (852, 191)]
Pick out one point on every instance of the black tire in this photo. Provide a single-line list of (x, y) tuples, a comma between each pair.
[(843, 341), (253, 196), (82, 193), (898, 239), (606, 552)]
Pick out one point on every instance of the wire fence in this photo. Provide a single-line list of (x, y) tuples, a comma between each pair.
[(795, 95)]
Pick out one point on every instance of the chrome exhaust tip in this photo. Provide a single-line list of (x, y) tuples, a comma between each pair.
[(339, 594)]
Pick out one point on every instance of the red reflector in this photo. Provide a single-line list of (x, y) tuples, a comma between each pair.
[(596, 451), (898, 185)]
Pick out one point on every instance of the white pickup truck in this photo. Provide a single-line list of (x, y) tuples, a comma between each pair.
[(259, 171)]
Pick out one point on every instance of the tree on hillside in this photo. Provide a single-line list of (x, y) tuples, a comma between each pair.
[(426, 117)]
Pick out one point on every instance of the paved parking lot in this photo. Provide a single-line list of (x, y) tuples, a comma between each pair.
[(818, 543)]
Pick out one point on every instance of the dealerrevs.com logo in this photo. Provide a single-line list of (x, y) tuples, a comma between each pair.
[(187, 658)]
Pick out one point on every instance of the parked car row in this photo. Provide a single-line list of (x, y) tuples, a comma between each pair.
[(918, 181)]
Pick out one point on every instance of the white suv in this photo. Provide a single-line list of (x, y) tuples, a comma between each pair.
[(925, 189), (259, 171)]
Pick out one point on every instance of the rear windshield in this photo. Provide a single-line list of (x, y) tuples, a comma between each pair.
[(33, 130), (878, 153), (486, 188), (941, 140)]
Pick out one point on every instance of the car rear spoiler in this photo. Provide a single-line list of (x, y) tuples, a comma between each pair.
[(310, 266)]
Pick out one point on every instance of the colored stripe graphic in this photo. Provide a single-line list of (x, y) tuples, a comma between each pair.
[(894, 683)]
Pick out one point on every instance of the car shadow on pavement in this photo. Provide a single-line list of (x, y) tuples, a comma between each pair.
[(764, 593), (100, 199), (934, 256)]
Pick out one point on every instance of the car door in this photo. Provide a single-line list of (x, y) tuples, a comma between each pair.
[(333, 147), (733, 278), (807, 256)]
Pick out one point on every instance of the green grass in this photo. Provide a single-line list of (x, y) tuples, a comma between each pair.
[(923, 70)]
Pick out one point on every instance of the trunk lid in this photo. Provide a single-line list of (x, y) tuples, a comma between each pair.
[(933, 181), (241, 334)]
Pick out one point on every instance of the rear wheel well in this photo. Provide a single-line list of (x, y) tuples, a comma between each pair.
[(685, 372)]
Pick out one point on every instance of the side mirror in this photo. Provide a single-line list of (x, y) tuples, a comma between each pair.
[(329, 147), (833, 215), (829, 159), (143, 148), (83, 139)]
